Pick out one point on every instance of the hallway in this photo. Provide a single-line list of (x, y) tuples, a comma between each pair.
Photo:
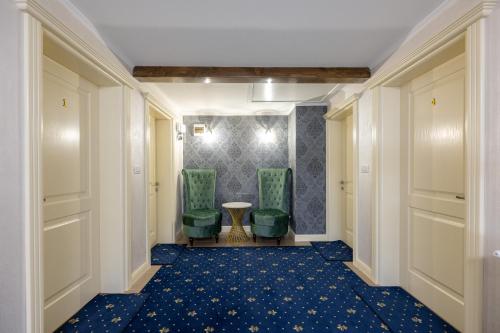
[(270, 289), (233, 166)]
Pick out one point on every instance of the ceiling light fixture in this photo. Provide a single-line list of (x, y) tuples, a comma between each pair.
[(269, 80), (207, 80)]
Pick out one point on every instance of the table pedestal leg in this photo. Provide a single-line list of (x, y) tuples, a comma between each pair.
[(237, 233)]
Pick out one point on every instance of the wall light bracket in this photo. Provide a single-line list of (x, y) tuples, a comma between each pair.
[(181, 130)]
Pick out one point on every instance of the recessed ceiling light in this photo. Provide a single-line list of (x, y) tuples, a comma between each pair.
[(207, 80), (269, 80)]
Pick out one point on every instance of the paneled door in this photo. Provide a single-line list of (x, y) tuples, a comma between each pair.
[(71, 194), (165, 211), (436, 207), (153, 183), (347, 180)]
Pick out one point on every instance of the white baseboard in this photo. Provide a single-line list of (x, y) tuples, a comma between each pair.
[(139, 272), (311, 238), (364, 268), (226, 228)]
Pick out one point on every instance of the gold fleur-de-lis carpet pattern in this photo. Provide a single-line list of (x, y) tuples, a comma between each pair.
[(334, 251), (105, 313), (165, 254), (400, 311), (265, 289)]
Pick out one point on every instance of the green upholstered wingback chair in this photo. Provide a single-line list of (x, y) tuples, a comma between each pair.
[(272, 217), (200, 218)]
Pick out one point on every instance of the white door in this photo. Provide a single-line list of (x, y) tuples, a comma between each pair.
[(71, 194), (347, 180), (436, 207), (153, 183), (165, 210)]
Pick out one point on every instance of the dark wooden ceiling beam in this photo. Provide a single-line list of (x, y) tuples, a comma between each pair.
[(252, 74)]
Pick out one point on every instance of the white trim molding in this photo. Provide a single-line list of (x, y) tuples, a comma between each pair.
[(364, 268), (33, 213), (152, 105), (455, 28), (139, 272), (344, 105), (385, 270), (334, 169), (102, 59), (48, 19), (475, 183), (311, 238)]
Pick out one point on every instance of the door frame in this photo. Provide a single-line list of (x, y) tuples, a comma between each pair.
[(334, 167), (386, 140), (151, 106), (43, 30)]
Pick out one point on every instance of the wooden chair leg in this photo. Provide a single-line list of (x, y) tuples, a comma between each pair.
[(254, 238), (216, 238), (191, 241), (278, 240)]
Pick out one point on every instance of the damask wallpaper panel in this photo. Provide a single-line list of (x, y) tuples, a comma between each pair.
[(308, 162), (292, 160), (237, 146)]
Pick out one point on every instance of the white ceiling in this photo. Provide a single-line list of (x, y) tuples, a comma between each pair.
[(254, 33), (302, 33), (241, 98)]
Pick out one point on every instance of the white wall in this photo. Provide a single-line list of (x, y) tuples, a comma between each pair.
[(492, 232), (12, 258), (137, 136), (365, 179), (178, 186)]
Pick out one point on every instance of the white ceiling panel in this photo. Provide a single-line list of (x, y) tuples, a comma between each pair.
[(328, 33), (241, 98)]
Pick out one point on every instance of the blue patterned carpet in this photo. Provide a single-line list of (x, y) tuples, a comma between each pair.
[(266, 289), (165, 254), (263, 289), (334, 251), (105, 313), (401, 311)]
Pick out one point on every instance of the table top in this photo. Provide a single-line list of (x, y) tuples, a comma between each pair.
[(236, 205)]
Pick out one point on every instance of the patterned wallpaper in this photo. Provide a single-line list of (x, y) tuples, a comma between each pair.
[(308, 161), (236, 149)]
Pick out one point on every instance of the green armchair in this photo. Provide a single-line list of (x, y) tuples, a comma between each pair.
[(272, 217), (200, 218)]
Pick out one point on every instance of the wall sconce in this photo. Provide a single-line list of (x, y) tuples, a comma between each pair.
[(181, 130), (204, 131), (209, 136), (199, 129), (267, 136)]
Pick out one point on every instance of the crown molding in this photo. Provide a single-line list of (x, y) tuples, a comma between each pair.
[(342, 106), (232, 114), (459, 26), (107, 63), (312, 104)]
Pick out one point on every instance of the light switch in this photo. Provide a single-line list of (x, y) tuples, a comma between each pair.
[(365, 169), (137, 170)]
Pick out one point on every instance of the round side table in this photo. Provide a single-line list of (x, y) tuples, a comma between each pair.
[(237, 211)]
